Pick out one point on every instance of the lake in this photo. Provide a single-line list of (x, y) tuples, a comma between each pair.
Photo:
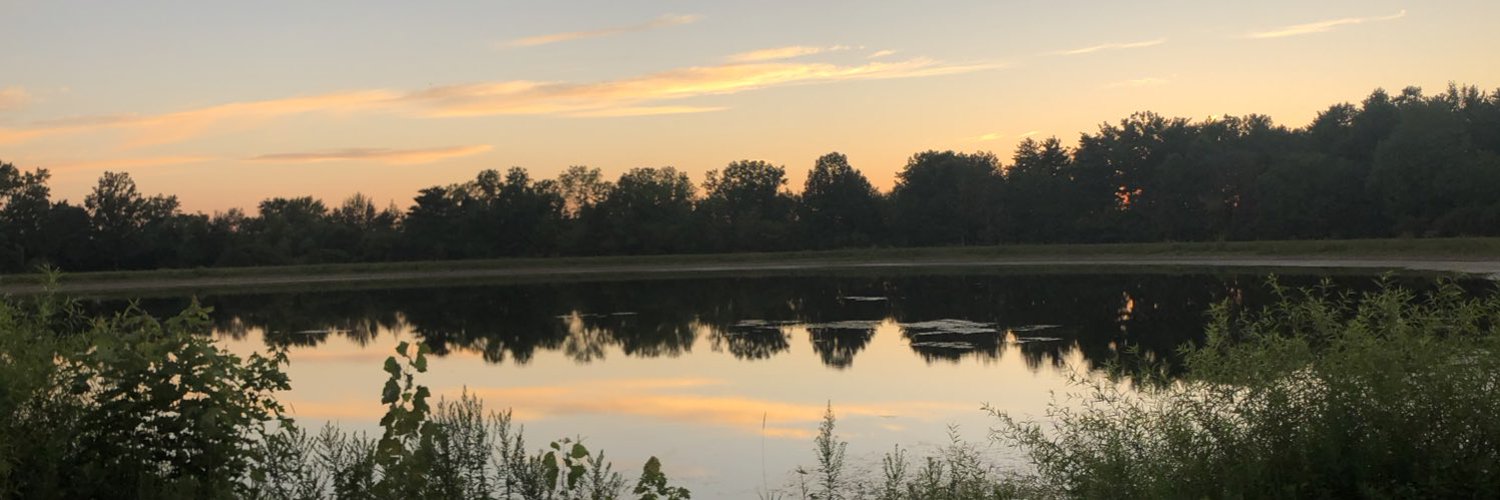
[(725, 379)]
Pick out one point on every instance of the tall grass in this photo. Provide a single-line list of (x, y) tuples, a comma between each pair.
[(1321, 394)]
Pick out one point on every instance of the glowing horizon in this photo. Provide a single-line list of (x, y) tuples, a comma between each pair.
[(227, 105)]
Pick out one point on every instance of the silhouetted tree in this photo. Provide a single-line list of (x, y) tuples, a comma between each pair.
[(649, 211), (1043, 206), (747, 208), (24, 213), (122, 219), (838, 206), (946, 198)]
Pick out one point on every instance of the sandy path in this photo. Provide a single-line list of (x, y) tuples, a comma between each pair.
[(1487, 268)]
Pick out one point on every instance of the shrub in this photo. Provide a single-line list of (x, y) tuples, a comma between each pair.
[(1321, 394)]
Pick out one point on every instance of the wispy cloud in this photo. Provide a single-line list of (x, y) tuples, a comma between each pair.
[(13, 97), (881, 53), (1139, 82), (1321, 26), (127, 163), (382, 155), (779, 53), (660, 22), (645, 111), (1028, 133), (649, 94), (633, 96), (989, 137), (1113, 46), (177, 126)]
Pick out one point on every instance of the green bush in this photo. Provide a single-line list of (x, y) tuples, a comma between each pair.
[(1322, 394), (128, 406)]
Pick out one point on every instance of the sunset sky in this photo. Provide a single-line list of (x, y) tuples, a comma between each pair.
[(226, 103)]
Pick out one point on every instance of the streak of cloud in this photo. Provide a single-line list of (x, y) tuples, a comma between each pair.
[(1321, 26), (881, 53), (637, 96), (1139, 82), (1113, 46), (618, 97), (13, 97), (646, 111), (1028, 133), (660, 22), (180, 125), (779, 53), (129, 163), (382, 155)]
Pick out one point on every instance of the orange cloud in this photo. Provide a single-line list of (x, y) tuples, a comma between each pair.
[(1139, 82), (13, 136), (177, 126), (129, 163), (660, 22), (13, 97), (637, 96), (1113, 46), (646, 111), (382, 155), (780, 53), (620, 97), (173, 127), (1321, 26)]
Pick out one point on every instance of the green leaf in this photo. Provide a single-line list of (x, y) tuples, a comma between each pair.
[(549, 463), (391, 393)]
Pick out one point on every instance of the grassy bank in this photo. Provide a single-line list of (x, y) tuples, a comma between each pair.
[(558, 268)]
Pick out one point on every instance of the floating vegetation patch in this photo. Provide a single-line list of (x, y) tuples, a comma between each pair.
[(1028, 340), (844, 325), (574, 314), (1032, 328), (946, 344), (762, 324), (949, 327)]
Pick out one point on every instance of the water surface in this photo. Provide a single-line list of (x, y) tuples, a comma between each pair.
[(725, 379)]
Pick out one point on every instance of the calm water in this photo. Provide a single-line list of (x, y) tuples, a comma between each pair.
[(725, 379)]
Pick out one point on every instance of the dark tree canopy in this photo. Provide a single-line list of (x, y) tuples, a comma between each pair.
[(1402, 165), (747, 208), (948, 198)]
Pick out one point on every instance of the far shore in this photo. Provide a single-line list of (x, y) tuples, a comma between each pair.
[(1464, 256)]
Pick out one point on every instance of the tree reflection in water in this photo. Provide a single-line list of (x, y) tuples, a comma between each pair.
[(944, 318)]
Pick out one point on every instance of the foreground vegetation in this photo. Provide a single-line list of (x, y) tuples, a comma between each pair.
[(1322, 394), (1404, 165)]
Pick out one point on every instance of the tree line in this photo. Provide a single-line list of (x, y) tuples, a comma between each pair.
[(1405, 165)]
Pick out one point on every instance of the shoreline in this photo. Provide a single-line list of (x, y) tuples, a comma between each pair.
[(716, 265)]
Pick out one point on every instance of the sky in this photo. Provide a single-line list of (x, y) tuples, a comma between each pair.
[(224, 104)]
